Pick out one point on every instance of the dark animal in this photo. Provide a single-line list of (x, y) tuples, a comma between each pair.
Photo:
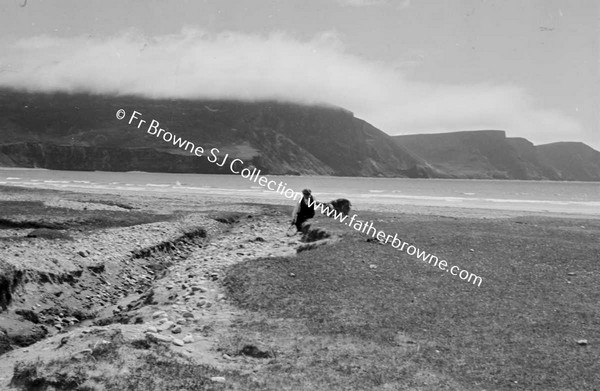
[(341, 205)]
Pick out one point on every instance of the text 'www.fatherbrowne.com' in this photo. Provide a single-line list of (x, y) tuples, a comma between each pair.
[(396, 242), (236, 166)]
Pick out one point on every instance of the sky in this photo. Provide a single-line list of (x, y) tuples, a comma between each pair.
[(529, 67)]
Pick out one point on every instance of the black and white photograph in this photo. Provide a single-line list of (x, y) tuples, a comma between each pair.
[(299, 195)]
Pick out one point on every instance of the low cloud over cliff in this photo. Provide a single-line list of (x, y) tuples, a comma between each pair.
[(196, 64)]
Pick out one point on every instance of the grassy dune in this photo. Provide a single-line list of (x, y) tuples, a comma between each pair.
[(338, 323)]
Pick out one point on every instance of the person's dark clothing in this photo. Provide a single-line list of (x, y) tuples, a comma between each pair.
[(306, 212)]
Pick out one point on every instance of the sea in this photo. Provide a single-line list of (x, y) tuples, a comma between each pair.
[(580, 198)]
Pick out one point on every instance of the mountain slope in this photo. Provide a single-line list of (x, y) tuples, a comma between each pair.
[(572, 161), (489, 154), (484, 154), (80, 132)]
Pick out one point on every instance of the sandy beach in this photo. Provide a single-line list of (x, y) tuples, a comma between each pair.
[(95, 279)]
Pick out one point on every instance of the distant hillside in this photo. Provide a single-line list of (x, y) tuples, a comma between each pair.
[(489, 154), (485, 154), (80, 132), (572, 161)]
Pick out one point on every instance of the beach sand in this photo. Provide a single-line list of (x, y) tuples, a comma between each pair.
[(194, 275)]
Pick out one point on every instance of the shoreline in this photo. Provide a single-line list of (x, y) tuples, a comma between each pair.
[(424, 207), (550, 197)]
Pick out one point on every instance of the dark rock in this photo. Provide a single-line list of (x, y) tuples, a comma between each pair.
[(10, 278), (45, 233), (254, 351), (28, 315), (5, 345), (23, 333), (312, 245), (176, 330), (313, 234), (105, 321), (97, 267)]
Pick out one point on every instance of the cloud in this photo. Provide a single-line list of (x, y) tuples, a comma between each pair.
[(362, 3), (400, 4), (196, 64), (404, 4)]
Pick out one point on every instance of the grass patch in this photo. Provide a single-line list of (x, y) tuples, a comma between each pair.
[(518, 330)]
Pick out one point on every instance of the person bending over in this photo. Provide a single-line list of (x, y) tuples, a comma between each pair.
[(302, 210)]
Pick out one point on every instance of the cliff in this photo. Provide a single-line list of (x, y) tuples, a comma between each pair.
[(571, 161), (489, 154), (81, 132)]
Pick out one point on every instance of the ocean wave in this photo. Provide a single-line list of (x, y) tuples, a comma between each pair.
[(493, 200)]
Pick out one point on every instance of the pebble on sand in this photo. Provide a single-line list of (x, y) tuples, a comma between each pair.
[(151, 329), (158, 337), (158, 314), (177, 342), (163, 320), (167, 325)]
